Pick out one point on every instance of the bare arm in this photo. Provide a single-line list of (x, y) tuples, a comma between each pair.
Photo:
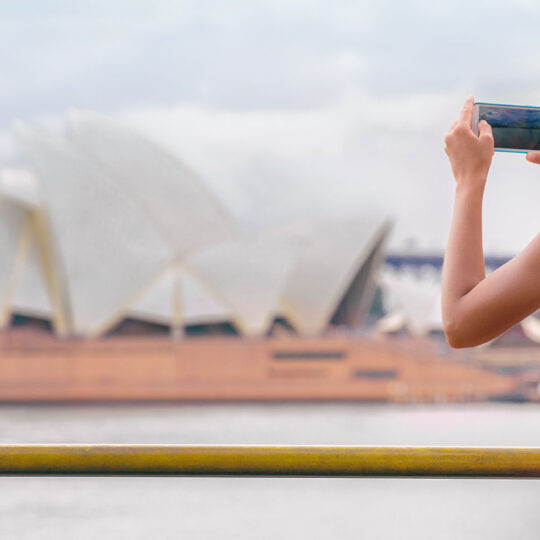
[(477, 308)]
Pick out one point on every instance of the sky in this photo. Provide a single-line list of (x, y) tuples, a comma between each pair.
[(292, 108)]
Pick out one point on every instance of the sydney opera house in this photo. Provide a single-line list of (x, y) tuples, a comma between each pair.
[(102, 230), (100, 225)]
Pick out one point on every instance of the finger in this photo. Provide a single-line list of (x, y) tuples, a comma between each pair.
[(533, 157), (466, 112), (484, 130)]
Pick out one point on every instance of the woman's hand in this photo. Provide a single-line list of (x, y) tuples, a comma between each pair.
[(533, 157), (470, 156)]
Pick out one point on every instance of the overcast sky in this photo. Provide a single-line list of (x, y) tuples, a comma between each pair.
[(289, 108)]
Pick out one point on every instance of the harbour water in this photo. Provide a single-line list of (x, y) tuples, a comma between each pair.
[(262, 508)]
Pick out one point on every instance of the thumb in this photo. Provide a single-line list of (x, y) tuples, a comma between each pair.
[(533, 157), (484, 130)]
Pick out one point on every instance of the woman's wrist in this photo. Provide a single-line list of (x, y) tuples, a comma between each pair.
[(470, 187)]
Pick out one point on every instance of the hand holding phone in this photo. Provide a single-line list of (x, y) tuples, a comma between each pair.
[(470, 154)]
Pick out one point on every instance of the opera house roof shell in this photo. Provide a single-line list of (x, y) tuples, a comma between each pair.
[(101, 224)]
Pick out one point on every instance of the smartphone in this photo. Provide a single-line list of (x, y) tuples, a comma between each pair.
[(515, 128)]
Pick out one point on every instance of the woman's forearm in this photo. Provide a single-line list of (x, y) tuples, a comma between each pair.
[(463, 266)]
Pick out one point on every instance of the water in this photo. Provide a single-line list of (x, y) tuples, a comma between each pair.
[(263, 508)]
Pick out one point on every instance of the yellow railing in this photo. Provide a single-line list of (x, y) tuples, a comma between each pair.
[(215, 460)]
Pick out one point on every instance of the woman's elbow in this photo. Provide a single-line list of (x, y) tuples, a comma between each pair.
[(450, 329), (459, 335), (454, 339)]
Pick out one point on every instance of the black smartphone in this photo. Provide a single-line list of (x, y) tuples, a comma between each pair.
[(515, 128)]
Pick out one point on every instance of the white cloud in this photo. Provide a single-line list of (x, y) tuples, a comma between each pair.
[(260, 55)]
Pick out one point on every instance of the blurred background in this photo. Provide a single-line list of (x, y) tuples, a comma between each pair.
[(225, 223)]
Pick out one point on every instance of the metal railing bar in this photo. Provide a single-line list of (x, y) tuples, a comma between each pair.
[(255, 460)]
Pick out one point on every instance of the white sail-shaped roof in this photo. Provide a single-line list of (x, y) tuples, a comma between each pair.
[(186, 212), (124, 229), (108, 248), (197, 304), (331, 252), (31, 287), (21, 187), (248, 276), (31, 296), (12, 224)]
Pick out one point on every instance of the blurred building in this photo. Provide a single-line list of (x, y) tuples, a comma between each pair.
[(412, 301), (100, 225)]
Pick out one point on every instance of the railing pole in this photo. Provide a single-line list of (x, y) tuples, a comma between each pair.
[(216, 460)]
